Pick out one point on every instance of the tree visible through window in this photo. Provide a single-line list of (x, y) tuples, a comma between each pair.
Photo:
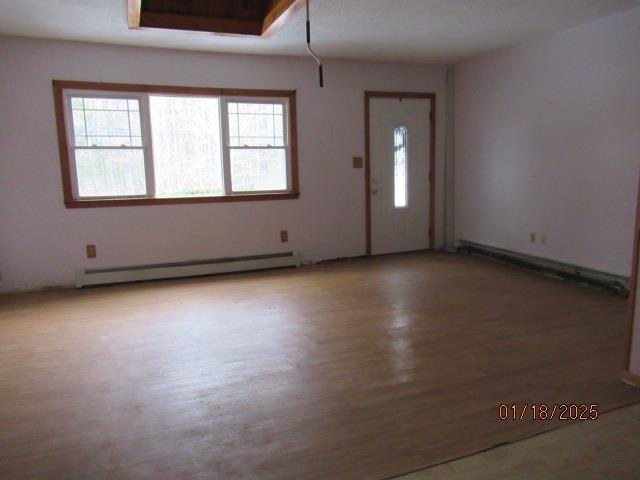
[(400, 167), (187, 158)]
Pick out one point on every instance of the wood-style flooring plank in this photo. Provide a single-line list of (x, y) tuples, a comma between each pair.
[(360, 369)]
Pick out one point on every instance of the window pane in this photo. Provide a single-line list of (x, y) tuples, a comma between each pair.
[(106, 122), (110, 173), (400, 167), (258, 169), (134, 124), (186, 146), (107, 104), (256, 124)]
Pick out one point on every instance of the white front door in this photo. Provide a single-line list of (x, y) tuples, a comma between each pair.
[(399, 162)]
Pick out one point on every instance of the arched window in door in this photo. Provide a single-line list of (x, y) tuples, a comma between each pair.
[(400, 167)]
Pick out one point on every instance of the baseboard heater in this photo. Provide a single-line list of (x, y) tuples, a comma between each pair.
[(609, 281), (195, 268)]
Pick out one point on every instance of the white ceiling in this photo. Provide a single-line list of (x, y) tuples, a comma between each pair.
[(396, 30)]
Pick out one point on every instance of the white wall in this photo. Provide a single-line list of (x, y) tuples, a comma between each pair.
[(548, 141), (41, 242)]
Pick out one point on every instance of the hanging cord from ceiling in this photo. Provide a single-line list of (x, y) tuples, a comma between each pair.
[(311, 52)]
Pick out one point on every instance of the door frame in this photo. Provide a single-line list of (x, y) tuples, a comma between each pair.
[(627, 376), (369, 94)]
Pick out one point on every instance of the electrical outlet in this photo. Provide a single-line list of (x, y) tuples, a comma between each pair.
[(532, 237), (91, 251), (543, 239), (284, 236)]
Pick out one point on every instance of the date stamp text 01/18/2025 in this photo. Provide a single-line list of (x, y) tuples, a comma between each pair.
[(548, 411)]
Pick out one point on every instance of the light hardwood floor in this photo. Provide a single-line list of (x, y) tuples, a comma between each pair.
[(607, 448), (362, 369)]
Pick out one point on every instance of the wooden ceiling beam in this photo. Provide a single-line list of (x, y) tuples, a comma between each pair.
[(222, 26), (278, 13), (134, 8)]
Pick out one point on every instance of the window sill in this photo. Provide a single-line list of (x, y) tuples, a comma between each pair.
[(132, 202)]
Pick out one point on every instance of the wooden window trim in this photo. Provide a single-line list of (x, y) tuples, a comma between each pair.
[(65, 166)]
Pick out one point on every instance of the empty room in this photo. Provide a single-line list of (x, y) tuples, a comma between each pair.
[(319, 239)]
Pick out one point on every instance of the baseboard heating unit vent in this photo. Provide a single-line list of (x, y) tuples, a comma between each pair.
[(136, 273), (609, 281)]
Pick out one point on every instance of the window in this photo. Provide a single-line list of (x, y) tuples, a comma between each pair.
[(187, 156), (136, 144), (257, 146), (108, 146), (400, 198)]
